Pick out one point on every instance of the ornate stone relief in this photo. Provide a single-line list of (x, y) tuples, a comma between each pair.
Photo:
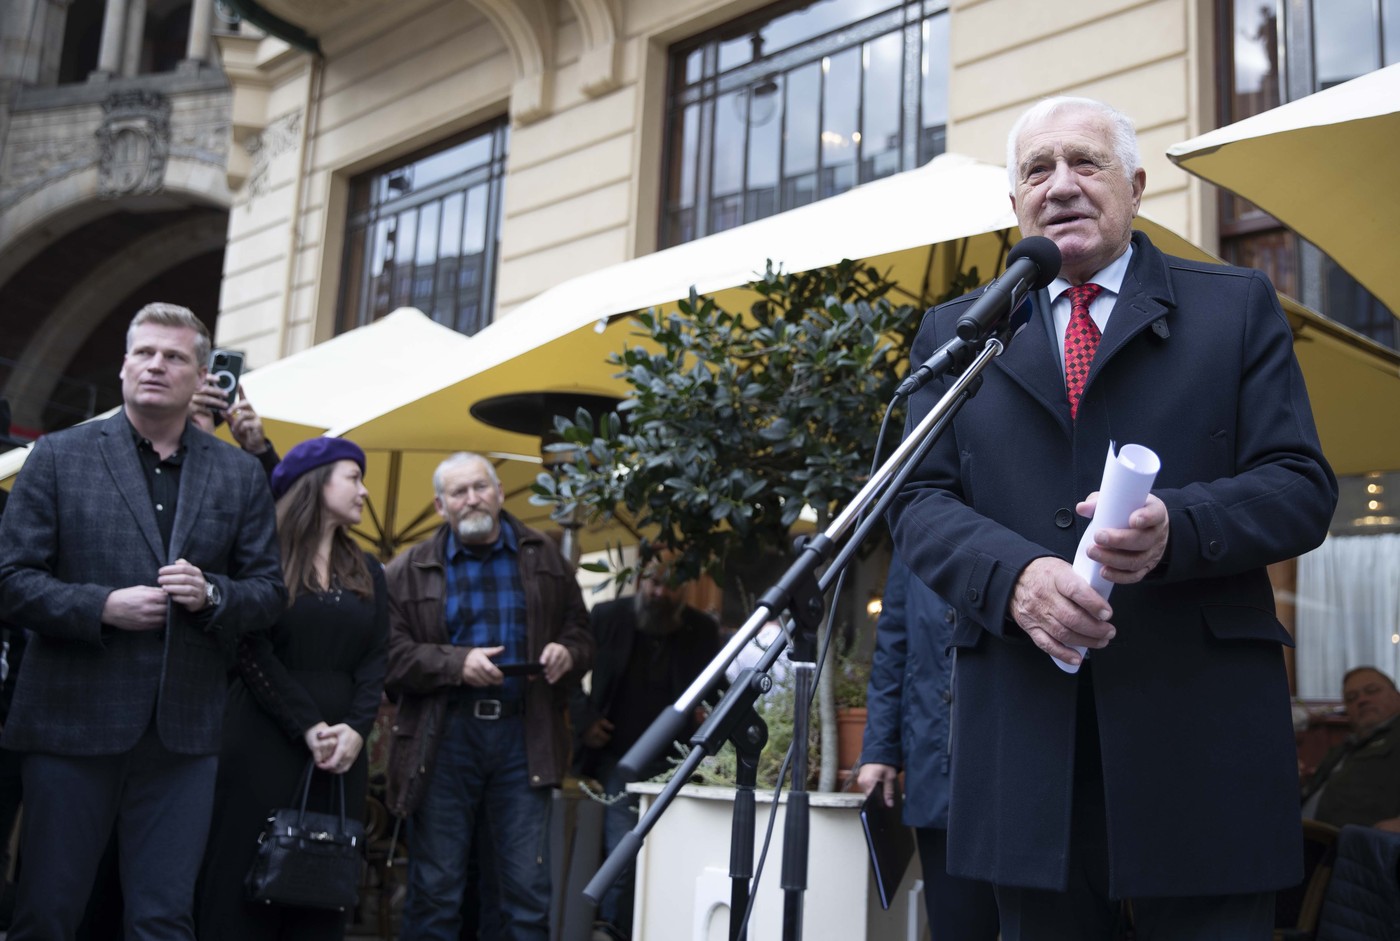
[(134, 141), (280, 136)]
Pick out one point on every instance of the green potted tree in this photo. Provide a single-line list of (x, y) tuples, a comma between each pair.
[(738, 421)]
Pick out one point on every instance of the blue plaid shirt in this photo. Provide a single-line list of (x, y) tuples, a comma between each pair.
[(485, 603)]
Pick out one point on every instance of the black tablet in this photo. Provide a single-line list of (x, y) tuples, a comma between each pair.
[(891, 842)]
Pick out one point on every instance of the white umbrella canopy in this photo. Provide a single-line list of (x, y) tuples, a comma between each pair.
[(397, 359), (921, 226), (403, 388), (1324, 166)]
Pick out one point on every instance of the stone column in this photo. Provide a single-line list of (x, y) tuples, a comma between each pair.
[(19, 59), (135, 31), (109, 56), (55, 22), (201, 25)]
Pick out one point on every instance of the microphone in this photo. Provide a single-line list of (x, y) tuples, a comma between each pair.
[(1031, 265)]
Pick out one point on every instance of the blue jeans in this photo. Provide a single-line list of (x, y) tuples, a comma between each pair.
[(481, 763)]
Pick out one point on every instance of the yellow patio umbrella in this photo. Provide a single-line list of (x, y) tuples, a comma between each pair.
[(921, 226), (1323, 166), (399, 358)]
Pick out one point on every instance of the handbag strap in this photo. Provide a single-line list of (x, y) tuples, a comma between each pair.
[(305, 787)]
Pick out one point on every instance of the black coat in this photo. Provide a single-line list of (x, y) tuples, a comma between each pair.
[(614, 626), (1200, 767)]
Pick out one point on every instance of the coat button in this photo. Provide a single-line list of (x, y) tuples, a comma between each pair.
[(1214, 547), (950, 616), (973, 595), (947, 695), (1064, 518)]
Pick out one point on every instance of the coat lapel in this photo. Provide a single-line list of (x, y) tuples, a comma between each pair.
[(1034, 364), (119, 454), (1146, 297), (194, 477), (1032, 361)]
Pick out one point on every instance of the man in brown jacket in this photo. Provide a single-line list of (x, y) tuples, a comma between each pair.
[(487, 632)]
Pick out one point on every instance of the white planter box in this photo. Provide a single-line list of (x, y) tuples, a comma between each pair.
[(683, 874)]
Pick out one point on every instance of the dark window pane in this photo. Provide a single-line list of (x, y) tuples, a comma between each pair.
[(736, 52), (727, 171), (765, 148), (411, 222), (816, 20), (1274, 252), (1390, 21), (450, 230), (427, 235), (883, 62), (796, 103), (1349, 303), (801, 134), (933, 107), (474, 232), (1255, 50), (1345, 33), (840, 102)]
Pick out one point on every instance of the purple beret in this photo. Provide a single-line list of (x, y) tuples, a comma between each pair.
[(310, 455)]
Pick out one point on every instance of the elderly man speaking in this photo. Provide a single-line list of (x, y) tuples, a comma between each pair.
[(1164, 770)]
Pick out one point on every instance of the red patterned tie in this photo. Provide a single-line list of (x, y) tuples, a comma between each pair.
[(1081, 342)]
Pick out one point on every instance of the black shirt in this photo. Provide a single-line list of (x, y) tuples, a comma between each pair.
[(162, 480)]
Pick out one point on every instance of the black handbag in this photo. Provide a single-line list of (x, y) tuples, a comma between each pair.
[(307, 859)]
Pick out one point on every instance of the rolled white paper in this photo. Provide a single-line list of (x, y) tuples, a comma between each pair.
[(1127, 480)]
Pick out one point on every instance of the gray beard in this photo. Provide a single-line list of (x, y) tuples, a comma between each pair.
[(474, 527)]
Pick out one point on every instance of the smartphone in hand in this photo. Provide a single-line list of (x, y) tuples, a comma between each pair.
[(226, 368)]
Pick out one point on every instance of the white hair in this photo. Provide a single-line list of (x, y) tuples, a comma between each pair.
[(1122, 133), (462, 457)]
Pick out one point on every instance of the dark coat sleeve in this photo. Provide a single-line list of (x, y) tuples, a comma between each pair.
[(884, 696), (421, 657)]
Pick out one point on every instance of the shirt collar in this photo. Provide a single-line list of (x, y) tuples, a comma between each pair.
[(1110, 278), (139, 440), (504, 540)]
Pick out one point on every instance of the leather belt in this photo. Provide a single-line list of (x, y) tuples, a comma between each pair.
[(493, 709)]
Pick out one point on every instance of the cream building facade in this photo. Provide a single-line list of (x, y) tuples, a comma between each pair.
[(256, 158), (584, 86)]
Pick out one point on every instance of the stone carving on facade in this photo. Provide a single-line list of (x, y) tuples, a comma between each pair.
[(134, 139), (40, 159), (205, 141), (281, 135)]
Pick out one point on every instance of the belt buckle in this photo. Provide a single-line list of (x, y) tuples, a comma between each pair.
[(486, 709)]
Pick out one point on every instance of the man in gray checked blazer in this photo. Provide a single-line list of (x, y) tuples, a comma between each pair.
[(134, 550)]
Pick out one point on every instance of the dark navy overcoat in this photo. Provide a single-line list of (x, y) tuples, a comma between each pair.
[(1199, 762)]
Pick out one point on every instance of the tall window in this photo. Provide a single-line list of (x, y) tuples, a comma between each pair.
[(799, 102), (424, 232), (1271, 60)]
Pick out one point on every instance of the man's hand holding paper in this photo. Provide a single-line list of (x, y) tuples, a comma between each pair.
[(1127, 555), (1059, 611)]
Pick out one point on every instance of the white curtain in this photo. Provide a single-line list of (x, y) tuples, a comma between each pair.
[(1348, 611)]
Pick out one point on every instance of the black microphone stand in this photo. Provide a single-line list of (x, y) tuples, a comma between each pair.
[(800, 592)]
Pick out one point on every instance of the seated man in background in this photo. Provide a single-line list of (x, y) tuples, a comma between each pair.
[(1359, 780)]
